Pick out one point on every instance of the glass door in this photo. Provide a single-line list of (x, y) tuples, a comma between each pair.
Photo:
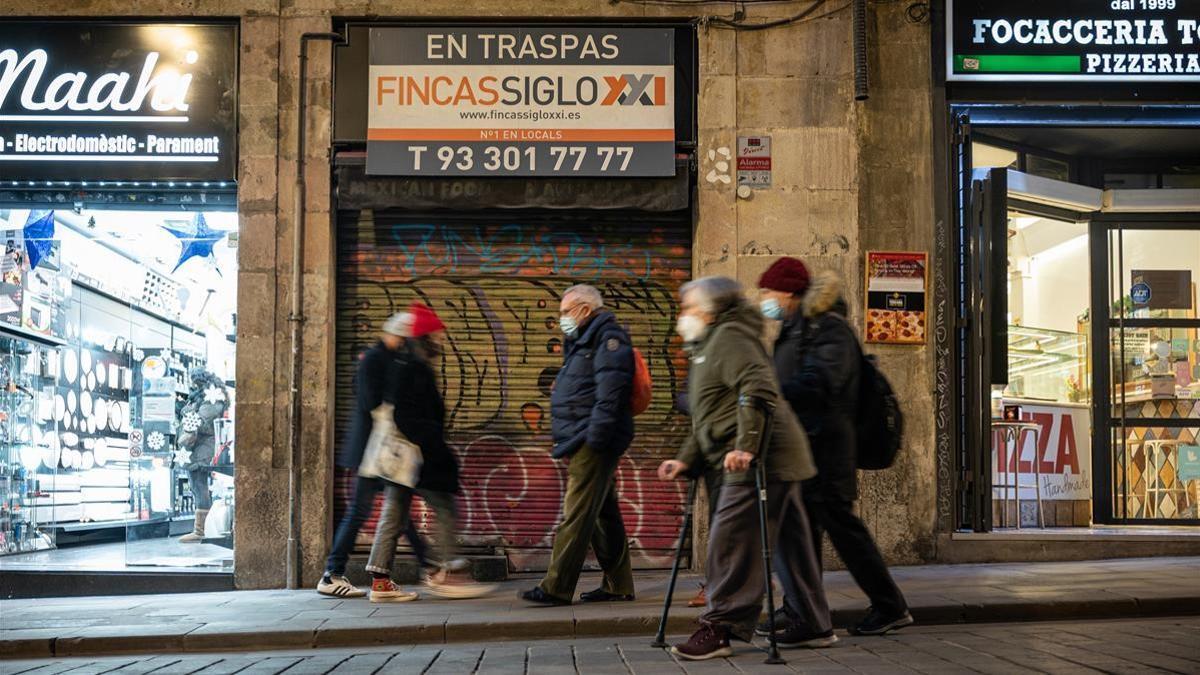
[(982, 335), (1147, 375)]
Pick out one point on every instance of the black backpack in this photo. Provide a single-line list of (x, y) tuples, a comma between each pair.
[(880, 422)]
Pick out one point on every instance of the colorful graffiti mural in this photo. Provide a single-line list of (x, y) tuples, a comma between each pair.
[(498, 287)]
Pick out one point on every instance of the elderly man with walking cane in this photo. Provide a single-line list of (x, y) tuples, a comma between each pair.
[(731, 388)]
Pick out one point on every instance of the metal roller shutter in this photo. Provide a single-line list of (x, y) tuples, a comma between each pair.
[(496, 280)]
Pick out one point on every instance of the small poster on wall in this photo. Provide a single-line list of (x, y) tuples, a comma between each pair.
[(896, 294)]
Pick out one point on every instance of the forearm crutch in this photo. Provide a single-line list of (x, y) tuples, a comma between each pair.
[(688, 507), (760, 484)]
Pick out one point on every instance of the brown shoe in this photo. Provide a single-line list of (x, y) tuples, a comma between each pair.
[(701, 599), (708, 642)]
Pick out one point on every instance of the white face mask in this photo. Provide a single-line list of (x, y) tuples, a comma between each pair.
[(772, 309), (568, 325), (691, 328)]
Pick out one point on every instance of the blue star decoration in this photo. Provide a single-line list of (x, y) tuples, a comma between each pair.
[(39, 236), (196, 242)]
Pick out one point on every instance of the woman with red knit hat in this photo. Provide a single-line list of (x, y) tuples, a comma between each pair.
[(420, 416), (818, 363)]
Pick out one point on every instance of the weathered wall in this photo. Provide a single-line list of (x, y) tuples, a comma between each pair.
[(848, 176), (896, 213)]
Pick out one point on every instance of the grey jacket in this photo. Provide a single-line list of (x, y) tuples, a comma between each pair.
[(730, 365), (202, 443)]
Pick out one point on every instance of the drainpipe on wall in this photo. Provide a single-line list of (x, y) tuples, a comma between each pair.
[(860, 50), (296, 319)]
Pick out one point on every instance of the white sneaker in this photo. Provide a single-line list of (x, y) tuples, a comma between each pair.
[(456, 586), (339, 587), (386, 590)]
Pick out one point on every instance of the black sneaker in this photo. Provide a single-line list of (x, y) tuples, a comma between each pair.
[(539, 597), (782, 623), (708, 642), (798, 635), (601, 595), (878, 623)]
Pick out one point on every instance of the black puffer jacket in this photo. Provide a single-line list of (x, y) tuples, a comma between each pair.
[(420, 415), (817, 359), (370, 381), (590, 401)]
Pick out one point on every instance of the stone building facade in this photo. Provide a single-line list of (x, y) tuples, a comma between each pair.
[(850, 176)]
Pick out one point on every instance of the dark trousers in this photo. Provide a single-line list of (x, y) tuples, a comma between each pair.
[(857, 549), (365, 491), (736, 578), (712, 483), (591, 516), (201, 490)]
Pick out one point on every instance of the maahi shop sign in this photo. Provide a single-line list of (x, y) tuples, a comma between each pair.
[(500, 101), (118, 101), (1073, 40)]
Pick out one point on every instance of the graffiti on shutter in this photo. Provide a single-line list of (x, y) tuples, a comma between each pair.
[(496, 282)]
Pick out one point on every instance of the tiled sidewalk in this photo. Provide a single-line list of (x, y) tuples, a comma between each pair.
[(1075, 647), (294, 619)]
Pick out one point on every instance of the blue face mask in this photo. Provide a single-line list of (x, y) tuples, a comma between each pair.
[(568, 324), (772, 309)]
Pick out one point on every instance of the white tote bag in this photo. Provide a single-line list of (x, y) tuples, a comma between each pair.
[(389, 455)]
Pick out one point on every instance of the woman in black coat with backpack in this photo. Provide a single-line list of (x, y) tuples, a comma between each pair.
[(818, 361)]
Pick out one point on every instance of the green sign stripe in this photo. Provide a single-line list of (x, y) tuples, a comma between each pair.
[(1000, 63)]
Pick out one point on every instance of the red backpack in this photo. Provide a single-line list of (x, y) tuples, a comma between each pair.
[(643, 387)]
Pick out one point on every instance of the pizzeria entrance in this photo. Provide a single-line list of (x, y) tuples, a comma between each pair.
[(1080, 352)]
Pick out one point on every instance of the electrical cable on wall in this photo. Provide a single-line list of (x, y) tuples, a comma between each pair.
[(917, 12)]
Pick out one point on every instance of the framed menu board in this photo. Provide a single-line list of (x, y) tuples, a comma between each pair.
[(897, 283)]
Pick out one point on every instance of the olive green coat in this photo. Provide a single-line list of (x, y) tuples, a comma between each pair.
[(727, 366)]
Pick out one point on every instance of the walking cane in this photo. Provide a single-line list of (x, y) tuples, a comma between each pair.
[(760, 483), (659, 638)]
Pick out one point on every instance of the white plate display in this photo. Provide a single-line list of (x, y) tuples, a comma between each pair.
[(114, 376), (101, 374), (100, 414), (89, 460), (71, 402), (60, 407), (101, 451), (85, 361), (154, 367), (30, 456), (70, 365), (114, 416), (45, 410), (69, 438), (91, 382)]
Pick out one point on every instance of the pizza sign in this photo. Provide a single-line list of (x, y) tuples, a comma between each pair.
[(896, 296)]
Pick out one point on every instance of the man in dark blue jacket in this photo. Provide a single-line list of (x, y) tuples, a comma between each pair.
[(375, 374), (592, 424)]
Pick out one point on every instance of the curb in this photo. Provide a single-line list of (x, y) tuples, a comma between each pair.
[(213, 638)]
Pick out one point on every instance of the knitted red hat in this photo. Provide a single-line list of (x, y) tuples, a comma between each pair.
[(423, 321), (786, 274)]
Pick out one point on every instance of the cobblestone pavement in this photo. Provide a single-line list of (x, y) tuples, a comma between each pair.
[(1117, 646)]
